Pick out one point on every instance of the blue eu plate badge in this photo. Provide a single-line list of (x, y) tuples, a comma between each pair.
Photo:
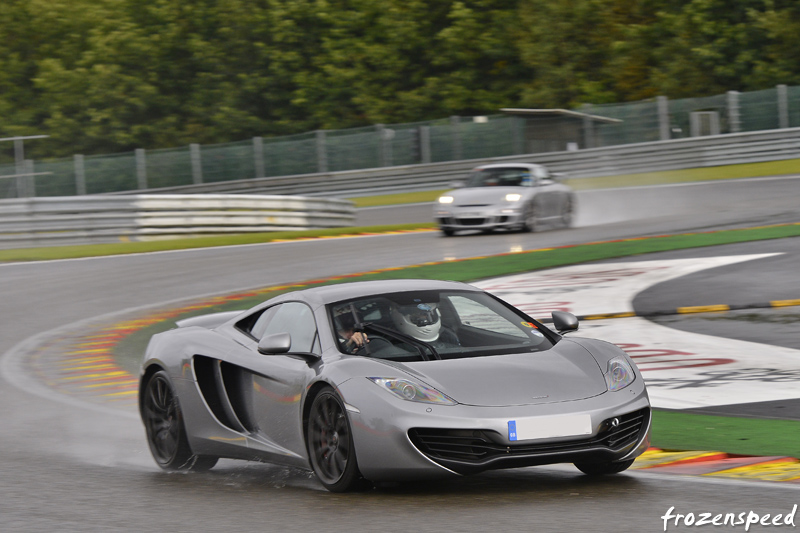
[(547, 427)]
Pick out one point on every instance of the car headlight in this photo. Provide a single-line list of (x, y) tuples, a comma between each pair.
[(445, 199), (619, 374), (513, 197), (414, 392)]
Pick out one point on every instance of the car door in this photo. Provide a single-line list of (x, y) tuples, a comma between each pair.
[(275, 383)]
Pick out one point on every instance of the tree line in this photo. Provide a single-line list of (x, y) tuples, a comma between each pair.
[(104, 76)]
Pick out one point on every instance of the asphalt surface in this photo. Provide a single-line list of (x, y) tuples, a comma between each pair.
[(64, 467)]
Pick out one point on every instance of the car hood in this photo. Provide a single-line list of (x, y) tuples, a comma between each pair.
[(566, 372), (479, 196)]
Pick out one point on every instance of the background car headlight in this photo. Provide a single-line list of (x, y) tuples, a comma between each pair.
[(513, 197), (411, 391), (445, 199), (619, 374)]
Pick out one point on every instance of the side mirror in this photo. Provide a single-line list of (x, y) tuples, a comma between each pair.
[(456, 184), (564, 321), (275, 344)]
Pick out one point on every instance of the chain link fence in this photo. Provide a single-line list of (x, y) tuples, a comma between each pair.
[(451, 139)]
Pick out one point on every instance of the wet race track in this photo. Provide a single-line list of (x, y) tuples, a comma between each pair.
[(70, 466)]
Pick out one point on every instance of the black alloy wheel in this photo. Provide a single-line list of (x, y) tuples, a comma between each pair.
[(163, 422), (330, 443)]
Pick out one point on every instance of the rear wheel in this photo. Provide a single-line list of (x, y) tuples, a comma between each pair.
[(330, 444), (166, 434), (599, 469)]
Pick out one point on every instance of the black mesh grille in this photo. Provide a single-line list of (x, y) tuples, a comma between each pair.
[(479, 446), (471, 221)]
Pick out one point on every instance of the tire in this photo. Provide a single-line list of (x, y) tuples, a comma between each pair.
[(529, 222), (166, 433), (599, 469), (448, 232), (330, 444)]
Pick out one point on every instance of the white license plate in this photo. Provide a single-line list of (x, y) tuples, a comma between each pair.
[(548, 427)]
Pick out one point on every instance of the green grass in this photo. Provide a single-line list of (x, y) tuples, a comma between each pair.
[(673, 430), (397, 199), (97, 250), (724, 172)]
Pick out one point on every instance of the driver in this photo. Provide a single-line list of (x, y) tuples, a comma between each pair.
[(349, 339), (422, 321)]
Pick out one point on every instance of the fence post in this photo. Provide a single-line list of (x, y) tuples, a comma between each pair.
[(663, 118), (30, 179), (381, 149), (258, 156), (783, 106), (80, 175), (455, 134), (734, 120), (385, 136), (141, 168), (425, 144), (589, 138), (19, 167), (197, 163), (322, 152), (517, 135)]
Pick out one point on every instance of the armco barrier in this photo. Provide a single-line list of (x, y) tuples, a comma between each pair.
[(101, 219), (697, 152)]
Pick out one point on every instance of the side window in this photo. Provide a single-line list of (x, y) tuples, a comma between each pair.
[(294, 318), (543, 176), (477, 315)]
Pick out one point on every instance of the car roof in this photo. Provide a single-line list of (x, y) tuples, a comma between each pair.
[(507, 165), (344, 291)]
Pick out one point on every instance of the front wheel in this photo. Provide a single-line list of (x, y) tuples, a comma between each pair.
[(529, 221), (599, 469), (166, 434), (448, 232), (567, 213), (330, 443)]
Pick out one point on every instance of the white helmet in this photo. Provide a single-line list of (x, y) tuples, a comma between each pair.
[(419, 320)]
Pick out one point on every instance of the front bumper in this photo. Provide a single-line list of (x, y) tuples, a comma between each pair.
[(397, 439), (479, 219)]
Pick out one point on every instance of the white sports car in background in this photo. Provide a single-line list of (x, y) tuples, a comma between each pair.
[(518, 196)]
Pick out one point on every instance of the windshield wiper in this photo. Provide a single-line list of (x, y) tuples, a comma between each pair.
[(421, 346)]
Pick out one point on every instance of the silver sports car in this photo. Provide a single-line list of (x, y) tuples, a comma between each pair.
[(390, 380), (506, 196)]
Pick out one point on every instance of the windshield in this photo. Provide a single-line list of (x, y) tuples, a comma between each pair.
[(426, 325), (500, 177)]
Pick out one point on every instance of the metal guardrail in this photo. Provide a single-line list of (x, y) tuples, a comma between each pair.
[(102, 219), (676, 154)]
